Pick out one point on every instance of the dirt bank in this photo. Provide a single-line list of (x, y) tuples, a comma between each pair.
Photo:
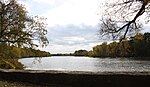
[(79, 79)]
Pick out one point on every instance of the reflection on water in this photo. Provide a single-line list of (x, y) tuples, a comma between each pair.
[(37, 60), (71, 63)]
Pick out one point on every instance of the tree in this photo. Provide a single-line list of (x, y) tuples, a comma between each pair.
[(19, 29), (147, 45), (122, 17), (136, 46), (124, 48), (113, 49), (81, 53), (104, 49), (101, 50), (97, 51), (139, 44)]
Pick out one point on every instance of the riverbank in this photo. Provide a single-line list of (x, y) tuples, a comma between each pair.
[(78, 79), (4, 83)]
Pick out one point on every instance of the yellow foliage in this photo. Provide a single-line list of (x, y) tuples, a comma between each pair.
[(9, 63)]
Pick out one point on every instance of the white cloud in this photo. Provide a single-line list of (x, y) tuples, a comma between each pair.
[(72, 24), (50, 2), (65, 48), (69, 38), (74, 12), (74, 38), (44, 1)]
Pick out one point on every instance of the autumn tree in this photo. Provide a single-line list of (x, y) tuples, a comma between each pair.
[(101, 50), (113, 49), (136, 46), (124, 17), (19, 29), (81, 53)]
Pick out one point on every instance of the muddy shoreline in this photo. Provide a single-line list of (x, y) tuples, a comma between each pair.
[(77, 78)]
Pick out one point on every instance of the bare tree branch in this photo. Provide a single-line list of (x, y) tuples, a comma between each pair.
[(118, 17)]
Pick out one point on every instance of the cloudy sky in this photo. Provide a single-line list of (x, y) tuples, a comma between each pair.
[(72, 24)]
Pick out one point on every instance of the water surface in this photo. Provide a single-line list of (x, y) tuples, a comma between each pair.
[(71, 63)]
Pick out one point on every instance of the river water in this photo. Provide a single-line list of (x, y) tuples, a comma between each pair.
[(71, 63)]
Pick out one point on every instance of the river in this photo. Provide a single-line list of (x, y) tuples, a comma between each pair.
[(71, 63)]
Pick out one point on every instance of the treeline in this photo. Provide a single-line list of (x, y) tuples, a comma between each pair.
[(61, 54), (76, 53), (9, 52), (9, 55), (137, 46), (81, 53)]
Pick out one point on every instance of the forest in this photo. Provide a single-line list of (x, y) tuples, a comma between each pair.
[(136, 46), (10, 54)]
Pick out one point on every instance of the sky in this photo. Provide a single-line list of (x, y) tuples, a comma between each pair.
[(72, 24)]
